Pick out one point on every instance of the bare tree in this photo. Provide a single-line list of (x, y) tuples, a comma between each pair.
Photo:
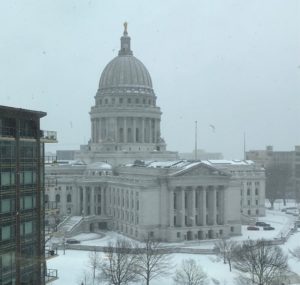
[(152, 260), (190, 273), (94, 262), (296, 253), (259, 262), (118, 266), (226, 248), (278, 177)]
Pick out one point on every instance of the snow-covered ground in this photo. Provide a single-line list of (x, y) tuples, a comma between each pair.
[(74, 263)]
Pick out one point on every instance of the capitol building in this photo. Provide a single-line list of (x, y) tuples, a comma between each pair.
[(125, 179)]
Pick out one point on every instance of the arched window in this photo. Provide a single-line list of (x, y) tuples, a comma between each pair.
[(57, 198), (69, 198)]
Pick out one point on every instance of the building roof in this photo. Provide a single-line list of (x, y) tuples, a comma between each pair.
[(19, 112), (125, 70)]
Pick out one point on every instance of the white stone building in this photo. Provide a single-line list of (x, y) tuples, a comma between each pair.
[(130, 183)]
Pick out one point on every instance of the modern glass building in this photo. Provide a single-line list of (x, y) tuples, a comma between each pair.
[(22, 240)]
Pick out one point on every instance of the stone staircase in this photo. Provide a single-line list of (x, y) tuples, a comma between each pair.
[(69, 224)]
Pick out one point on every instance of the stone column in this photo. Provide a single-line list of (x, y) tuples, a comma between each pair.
[(134, 129), (102, 201), (214, 205), (143, 130), (193, 209), (99, 130), (96, 131), (225, 205), (150, 131), (116, 130), (155, 131), (182, 207), (203, 206), (84, 201), (93, 212), (125, 130), (171, 208)]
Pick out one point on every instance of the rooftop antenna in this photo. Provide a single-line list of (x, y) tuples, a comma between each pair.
[(195, 140), (244, 146)]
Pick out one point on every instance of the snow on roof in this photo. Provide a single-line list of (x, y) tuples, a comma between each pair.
[(230, 162)]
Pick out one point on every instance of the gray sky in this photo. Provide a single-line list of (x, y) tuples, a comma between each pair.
[(230, 63)]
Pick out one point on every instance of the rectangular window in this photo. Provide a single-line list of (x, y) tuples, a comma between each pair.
[(256, 191), (178, 234), (5, 179), (28, 177), (7, 261), (28, 202), (5, 233), (248, 191), (28, 228), (5, 206)]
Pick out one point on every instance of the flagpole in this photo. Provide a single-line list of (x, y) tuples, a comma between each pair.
[(244, 146), (195, 140)]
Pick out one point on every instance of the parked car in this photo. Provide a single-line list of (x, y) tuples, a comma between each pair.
[(72, 241), (262, 224), (252, 228), (269, 228)]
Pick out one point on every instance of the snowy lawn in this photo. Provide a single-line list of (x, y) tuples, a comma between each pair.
[(72, 265)]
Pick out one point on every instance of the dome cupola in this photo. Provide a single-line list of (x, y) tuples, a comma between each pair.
[(125, 70)]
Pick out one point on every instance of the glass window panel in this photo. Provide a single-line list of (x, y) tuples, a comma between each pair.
[(12, 177), (28, 202), (5, 206), (5, 178), (28, 177), (28, 228), (5, 233), (8, 259)]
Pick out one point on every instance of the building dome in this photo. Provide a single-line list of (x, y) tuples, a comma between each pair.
[(125, 71)]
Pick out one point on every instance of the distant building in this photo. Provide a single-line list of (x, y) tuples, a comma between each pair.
[(287, 159), (22, 249), (201, 155), (65, 154), (251, 178)]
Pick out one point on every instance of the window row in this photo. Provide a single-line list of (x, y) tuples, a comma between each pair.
[(7, 178), (143, 101), (7, 232), (9, 205)]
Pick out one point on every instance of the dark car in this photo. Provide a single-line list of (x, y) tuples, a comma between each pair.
[(269, 228), (262, 224), (72, 241), (252, 228)]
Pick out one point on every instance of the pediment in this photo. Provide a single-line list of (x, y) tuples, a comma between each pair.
[(200, 170)]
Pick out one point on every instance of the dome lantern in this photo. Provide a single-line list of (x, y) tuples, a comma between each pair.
[(125, 43)]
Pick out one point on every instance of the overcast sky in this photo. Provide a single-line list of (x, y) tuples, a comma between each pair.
[(229, 63)]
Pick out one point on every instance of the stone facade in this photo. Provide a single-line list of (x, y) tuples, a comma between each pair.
[(172, 201)]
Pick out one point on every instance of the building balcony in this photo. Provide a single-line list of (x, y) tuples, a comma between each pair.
[(7, 132), (48, 136), (51, 275)]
